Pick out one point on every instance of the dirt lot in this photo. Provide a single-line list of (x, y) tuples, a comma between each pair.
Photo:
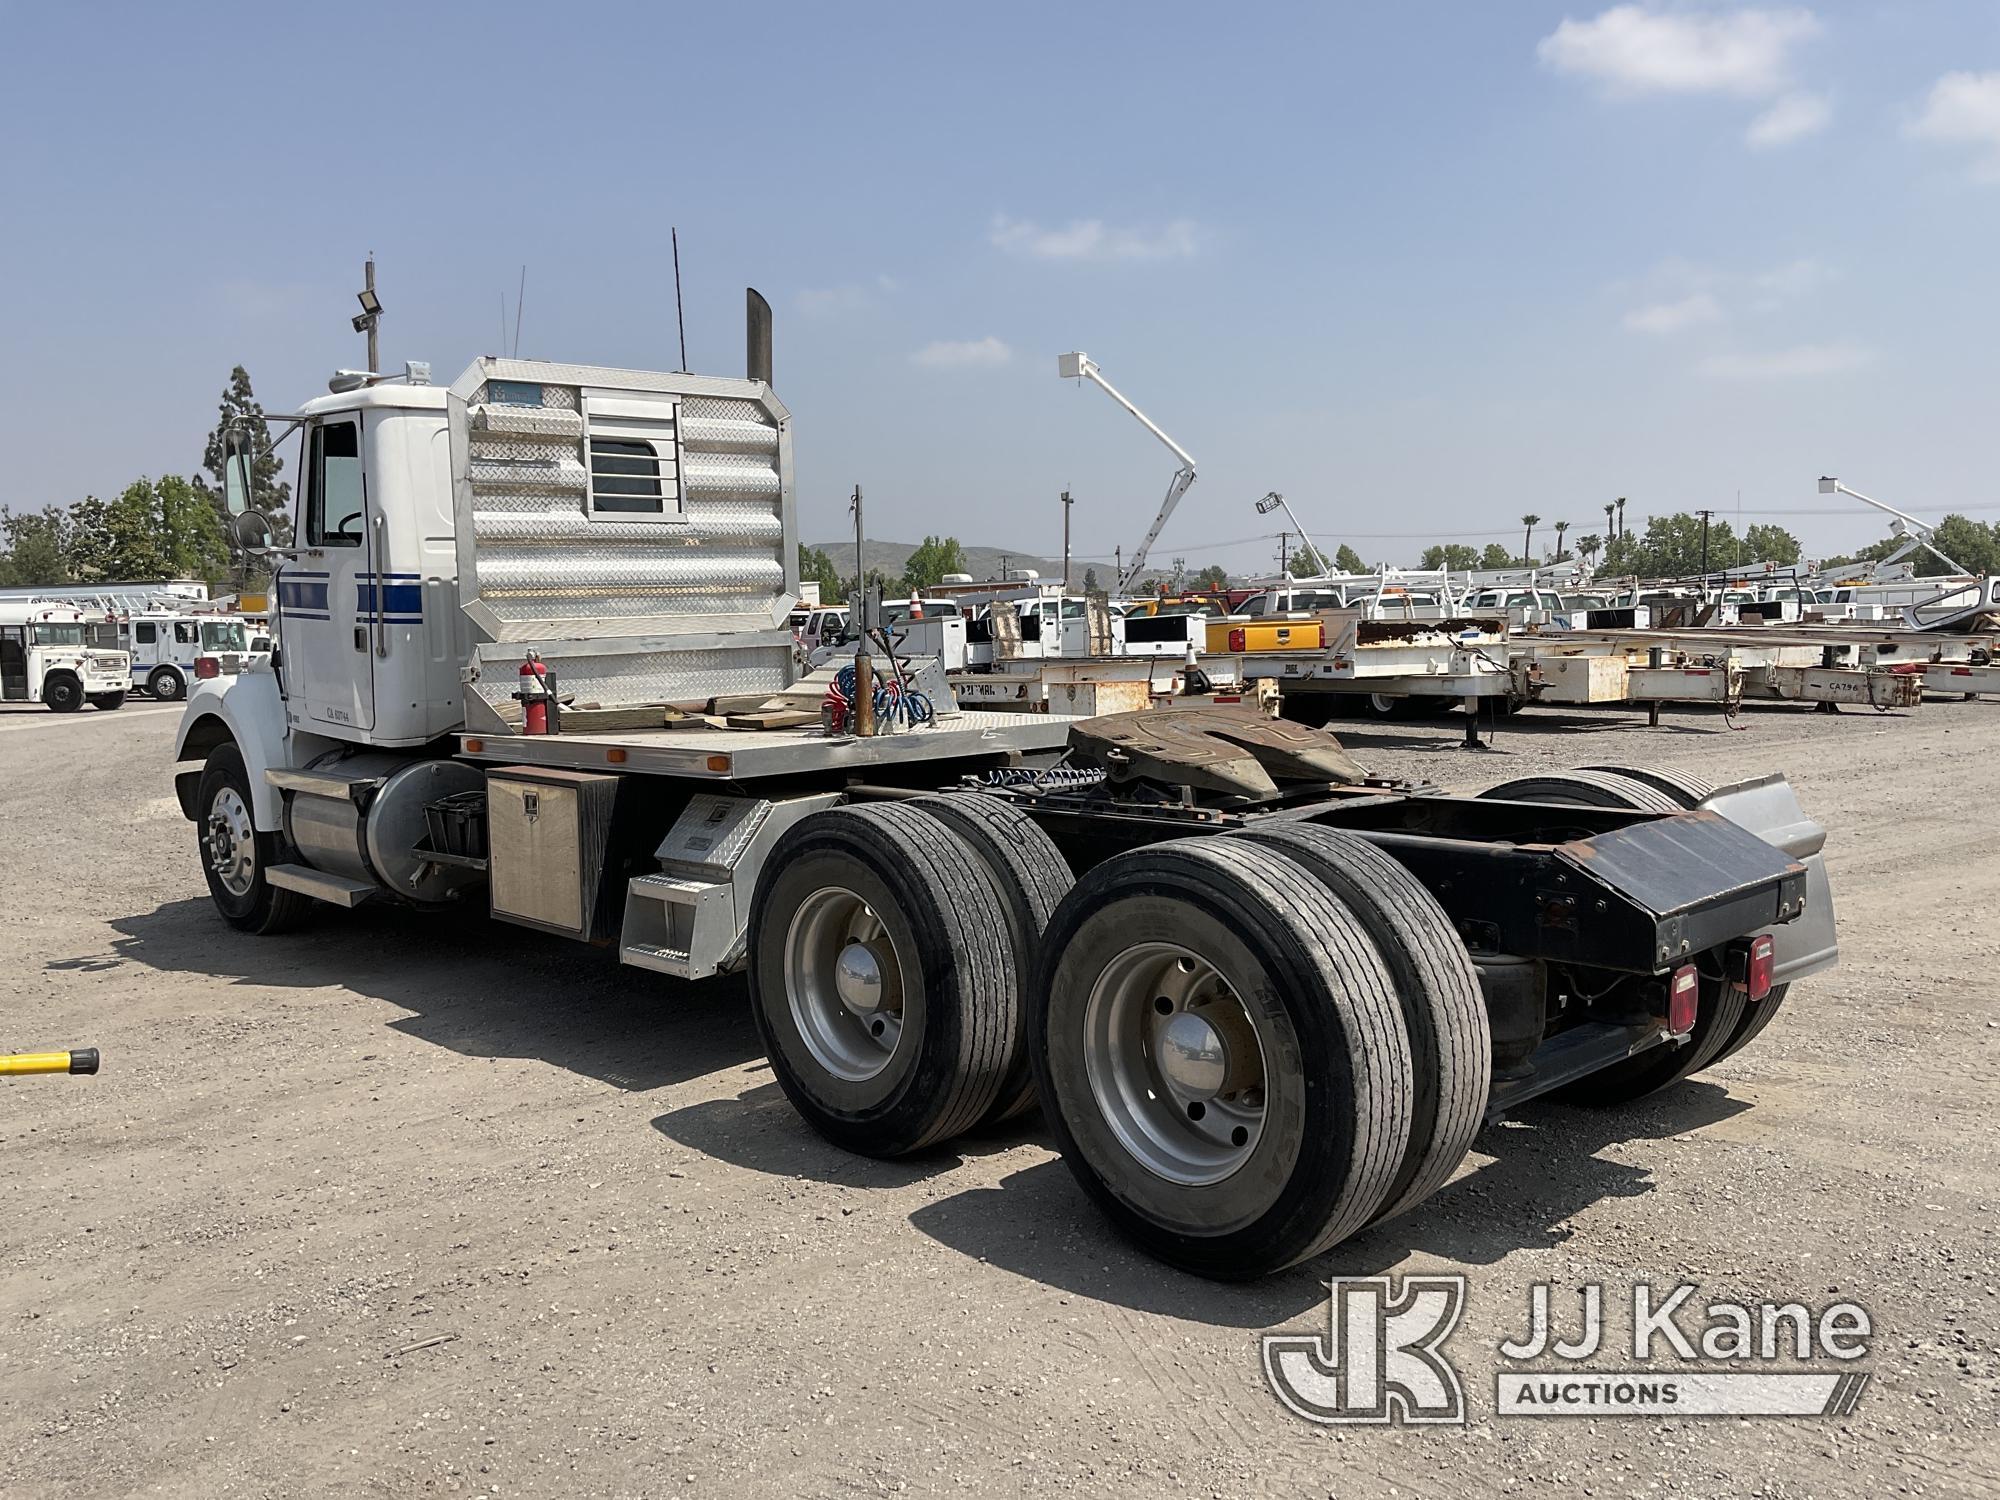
[(402, 1207)]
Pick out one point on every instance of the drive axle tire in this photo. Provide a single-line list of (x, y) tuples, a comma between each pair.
[(1444, 1013), (1584, 789), (1717, 1015), (62, 693), (166, 685), (1030, 877), (1221, 1055), (1757, 1014), (107, 701), (881, 991), (234, 855), (1688, 790)]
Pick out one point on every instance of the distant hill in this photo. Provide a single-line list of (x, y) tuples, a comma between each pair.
[(889, 558)]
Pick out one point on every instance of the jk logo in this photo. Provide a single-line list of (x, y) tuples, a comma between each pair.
[(1379, 1361)]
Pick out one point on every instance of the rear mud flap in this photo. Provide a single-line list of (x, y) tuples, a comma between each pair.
[(1768, 807)]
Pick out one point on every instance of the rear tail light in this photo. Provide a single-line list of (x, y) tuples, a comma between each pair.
[(1683, 991), (1321, 642), (207, 666), (1237, 640), (1763, 960)]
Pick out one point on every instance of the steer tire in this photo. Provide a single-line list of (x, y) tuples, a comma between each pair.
[(1687, 790), (166, 685), (1030, 877), (259, 907), (949, 1011), (1717, 1017), (1584, 789), (1757, 1014), (62, 693), (107, 701), (1313, 1010), (1444, 1012)]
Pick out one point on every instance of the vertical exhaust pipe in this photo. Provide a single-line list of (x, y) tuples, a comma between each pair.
[(756, 335)]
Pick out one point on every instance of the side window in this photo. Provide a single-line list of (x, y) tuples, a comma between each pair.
[(333, 472), (625, 477), (184, 633), (145, 633)]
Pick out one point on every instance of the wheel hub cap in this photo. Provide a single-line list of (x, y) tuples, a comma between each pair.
[(857, 977), (232, 842), (844, 984), (1176, 1064)]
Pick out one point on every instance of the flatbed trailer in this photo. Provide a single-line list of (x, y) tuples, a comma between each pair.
[(1262, 999), (1709, 665)]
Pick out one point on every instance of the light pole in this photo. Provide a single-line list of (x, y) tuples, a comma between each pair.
[(369, 319)]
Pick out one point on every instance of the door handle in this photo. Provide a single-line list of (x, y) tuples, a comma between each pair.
[(381, 590)]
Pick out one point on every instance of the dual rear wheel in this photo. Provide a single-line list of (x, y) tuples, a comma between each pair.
[(1248, 1048)]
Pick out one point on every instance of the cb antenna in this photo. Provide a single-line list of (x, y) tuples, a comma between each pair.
[(680, 317), (520, 301)]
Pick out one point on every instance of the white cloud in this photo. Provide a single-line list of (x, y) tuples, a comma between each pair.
[(1794, 279), (1093, 239), (1804, 361), (1672, 317), (1633, 49), (1793, 118), (1963, 109), (965, 354)]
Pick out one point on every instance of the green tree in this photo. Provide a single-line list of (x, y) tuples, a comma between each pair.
[(1973, 545), (926, 566), (1588, 547), (1771, 544), (1454, 555), (1495, 556), (37, 547), (1306, 560), (268, 493), (816, 567), (1671, 547), (1347, 560), (1090, 580), (1214, 577)]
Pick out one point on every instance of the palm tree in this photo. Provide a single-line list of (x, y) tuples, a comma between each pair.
[(1561, 527), (1528, 544), (1609, 507), (1587, 546), (1621, 515)]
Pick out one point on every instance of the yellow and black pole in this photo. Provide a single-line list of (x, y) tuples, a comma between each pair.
[(20, 1064)]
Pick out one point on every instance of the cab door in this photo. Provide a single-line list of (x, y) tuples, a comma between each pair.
[(13, 663), (329, 657)]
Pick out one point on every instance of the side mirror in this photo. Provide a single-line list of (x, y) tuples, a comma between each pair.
[(251, 528), (260, 643), (236, 489)]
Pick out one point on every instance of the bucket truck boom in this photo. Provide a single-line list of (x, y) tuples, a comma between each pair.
[(1081, 366)]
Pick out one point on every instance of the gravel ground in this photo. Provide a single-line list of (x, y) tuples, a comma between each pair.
[(396, 1206)]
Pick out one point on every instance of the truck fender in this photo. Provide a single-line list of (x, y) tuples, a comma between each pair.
[(247, 710)]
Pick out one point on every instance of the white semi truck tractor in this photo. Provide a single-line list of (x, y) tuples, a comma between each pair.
[(534, 658)]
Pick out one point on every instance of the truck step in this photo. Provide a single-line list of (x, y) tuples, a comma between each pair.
[(336, 889), (657, 957)]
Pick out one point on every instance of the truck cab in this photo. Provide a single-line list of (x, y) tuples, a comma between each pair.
[(166, 647)]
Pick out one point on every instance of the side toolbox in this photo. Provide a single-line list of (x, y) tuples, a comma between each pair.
[(548, 836)]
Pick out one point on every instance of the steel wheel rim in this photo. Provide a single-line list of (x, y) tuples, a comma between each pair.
[(232, 842), (1175, 1063), (844, 984)]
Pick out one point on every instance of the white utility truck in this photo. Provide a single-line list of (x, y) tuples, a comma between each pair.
[(46, 657), (533, 654), (167, 646)]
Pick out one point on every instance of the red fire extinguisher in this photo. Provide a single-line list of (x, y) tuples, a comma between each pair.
[(537, 695)]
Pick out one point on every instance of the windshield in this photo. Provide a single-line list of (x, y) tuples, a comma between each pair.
[(223, 635), (58, 635)]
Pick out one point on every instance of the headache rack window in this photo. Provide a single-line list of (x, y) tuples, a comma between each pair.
[(634, 450)]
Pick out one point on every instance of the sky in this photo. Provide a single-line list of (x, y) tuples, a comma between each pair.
[(1421, 268)]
